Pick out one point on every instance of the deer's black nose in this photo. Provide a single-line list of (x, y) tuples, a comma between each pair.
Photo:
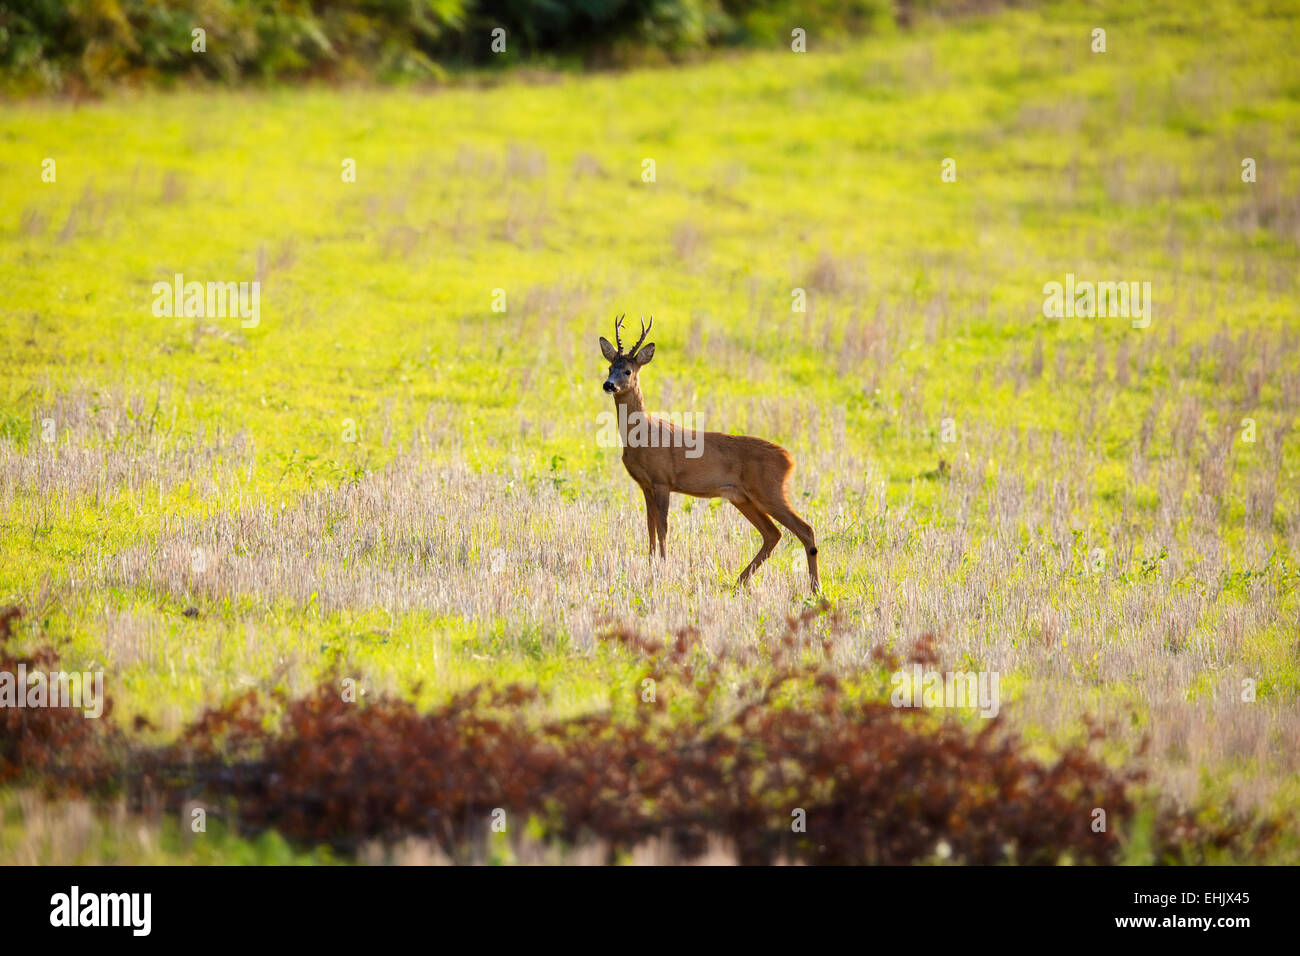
[(609, 386)]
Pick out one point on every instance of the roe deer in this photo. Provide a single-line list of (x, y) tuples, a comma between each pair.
[(751, 473)]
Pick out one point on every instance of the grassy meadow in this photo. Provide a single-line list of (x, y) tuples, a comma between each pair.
[(1114, 526)]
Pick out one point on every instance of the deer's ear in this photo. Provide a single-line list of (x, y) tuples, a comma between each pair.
[(646, 354), (608, 350)]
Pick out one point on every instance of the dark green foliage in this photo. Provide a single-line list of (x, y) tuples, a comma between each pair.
[(86, 44), (83, 44)]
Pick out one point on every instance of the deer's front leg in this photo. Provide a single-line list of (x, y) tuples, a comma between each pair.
[(662, 495), (651, 518)]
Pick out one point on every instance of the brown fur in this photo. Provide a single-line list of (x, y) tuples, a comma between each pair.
[(751, 473)]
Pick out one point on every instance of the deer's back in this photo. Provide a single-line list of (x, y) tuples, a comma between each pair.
[(713, 465)]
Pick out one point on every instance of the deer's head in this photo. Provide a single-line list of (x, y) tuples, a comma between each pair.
[(624, 366)]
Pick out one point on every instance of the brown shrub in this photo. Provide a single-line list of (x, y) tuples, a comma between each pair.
[(59, 746), (712, 754), (876, 784)]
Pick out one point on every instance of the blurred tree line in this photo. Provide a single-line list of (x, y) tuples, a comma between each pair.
[(77, 45)]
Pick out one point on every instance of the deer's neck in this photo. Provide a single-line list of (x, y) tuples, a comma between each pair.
[(627, 404)]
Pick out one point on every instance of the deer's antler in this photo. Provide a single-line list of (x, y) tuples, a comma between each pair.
[(618, 340), (645, 330)]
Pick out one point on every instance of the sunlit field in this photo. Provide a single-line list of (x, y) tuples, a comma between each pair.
[(395, 473)]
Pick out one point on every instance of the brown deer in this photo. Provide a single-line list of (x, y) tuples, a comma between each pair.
[(751, 473)]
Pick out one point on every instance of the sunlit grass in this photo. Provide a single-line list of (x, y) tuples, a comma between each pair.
[(476, 429)]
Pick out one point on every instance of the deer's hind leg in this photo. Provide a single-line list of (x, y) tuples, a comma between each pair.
[(802, 530), (770, 532), (662, 495)]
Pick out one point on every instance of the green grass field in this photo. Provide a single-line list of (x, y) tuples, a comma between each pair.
[(1105, 528)]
